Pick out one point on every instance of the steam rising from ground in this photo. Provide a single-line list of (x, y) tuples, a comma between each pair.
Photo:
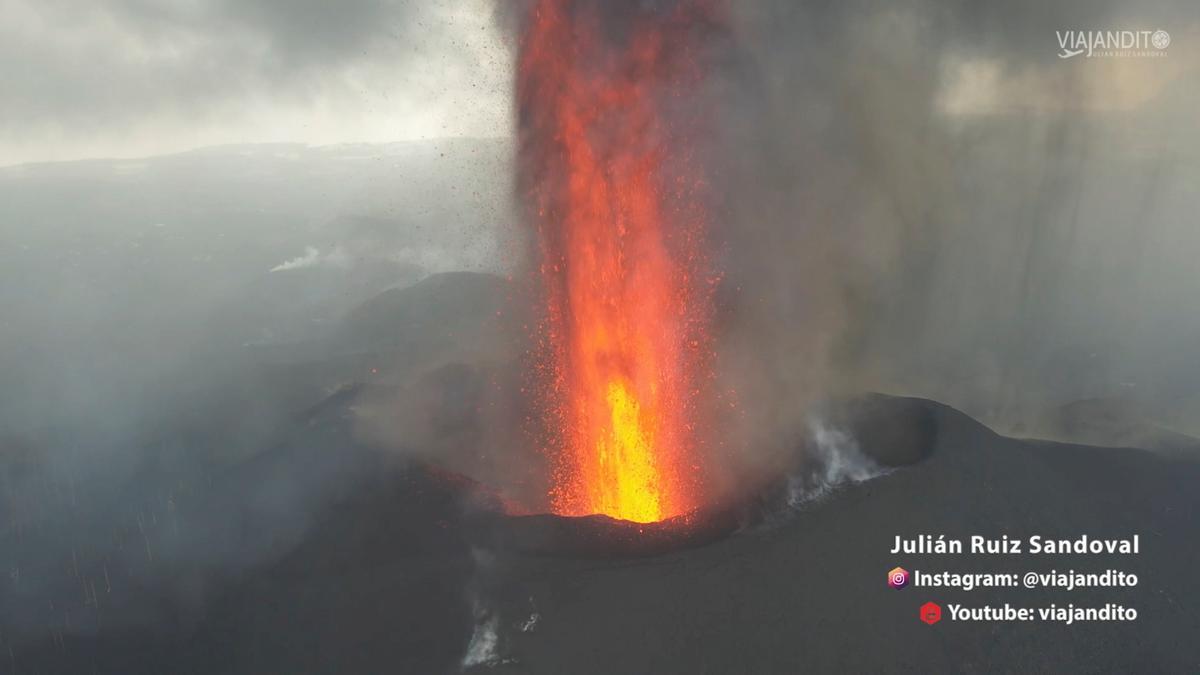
[(311, 257), (836, 461), (481, 651)]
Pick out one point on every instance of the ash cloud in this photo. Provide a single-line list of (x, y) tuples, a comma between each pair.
[(925, 200)]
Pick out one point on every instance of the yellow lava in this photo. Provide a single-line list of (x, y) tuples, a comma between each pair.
[(628, 488)]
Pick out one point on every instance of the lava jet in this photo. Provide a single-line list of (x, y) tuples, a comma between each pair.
[(608, 121)]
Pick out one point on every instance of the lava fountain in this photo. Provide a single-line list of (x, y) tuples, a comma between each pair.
[(609, 118)]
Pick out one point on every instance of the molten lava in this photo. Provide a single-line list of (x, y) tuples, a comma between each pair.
[(606, 127)]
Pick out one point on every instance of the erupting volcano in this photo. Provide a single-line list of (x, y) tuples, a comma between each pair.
[(608, 119)]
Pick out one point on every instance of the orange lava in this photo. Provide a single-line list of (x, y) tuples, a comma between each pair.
[(616, 201)]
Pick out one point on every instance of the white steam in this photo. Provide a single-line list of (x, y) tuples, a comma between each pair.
[(836, 461), (310, 258), (430, 259), (484, 648)]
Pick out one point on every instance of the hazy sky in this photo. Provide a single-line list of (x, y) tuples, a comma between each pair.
[(128, 78)]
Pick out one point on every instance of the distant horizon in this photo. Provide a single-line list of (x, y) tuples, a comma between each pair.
[(250, 144), (122, 80)]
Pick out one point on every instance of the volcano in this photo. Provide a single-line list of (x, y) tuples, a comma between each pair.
[(395, 575)]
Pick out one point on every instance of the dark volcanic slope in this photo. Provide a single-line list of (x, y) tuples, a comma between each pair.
[(810, 596), (386, 581)]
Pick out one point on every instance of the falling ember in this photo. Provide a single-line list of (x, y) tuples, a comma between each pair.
[(607, 119)]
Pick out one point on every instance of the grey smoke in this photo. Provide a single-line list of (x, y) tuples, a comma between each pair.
[(925, 200)]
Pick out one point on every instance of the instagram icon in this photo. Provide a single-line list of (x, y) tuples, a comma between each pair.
[(898, 578)]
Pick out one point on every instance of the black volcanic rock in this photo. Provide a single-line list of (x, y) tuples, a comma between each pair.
[(892, 431), (599, 536), (810, 595), (398, 571)]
